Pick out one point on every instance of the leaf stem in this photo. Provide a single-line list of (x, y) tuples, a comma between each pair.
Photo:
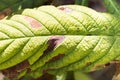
[(112, 6)]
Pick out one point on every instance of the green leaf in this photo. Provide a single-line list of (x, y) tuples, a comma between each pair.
[(16, 5), (59, 39), (81, 2), (78, 76), (112, 6), (5, 4)]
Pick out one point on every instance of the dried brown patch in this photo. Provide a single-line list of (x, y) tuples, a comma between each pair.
[(107, 64), (117, 66), (14, 71), (46, 70), (56, 58), (89, 63), (53, 42), (103, 74), (99, 66), (116, 62)]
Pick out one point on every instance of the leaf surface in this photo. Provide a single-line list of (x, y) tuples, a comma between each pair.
[(60, 39)]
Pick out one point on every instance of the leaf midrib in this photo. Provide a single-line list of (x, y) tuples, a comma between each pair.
[(59, 35)]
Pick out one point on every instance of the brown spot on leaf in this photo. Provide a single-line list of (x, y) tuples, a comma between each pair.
[(14, 71), (89, 63), (28, 70), (107, 64), (56, 57), (115, 61), (65, 9), (34, 23), (117, 66), (98, 66), (46, 70), (103, 74), (53, 42)]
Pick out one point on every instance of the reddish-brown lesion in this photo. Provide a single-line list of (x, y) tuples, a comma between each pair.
[(33, 22), (65, 9), (88, 63), (116, 62), (14, 71), (99, 66), (117, 66), (59, 56), (53, 42)]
